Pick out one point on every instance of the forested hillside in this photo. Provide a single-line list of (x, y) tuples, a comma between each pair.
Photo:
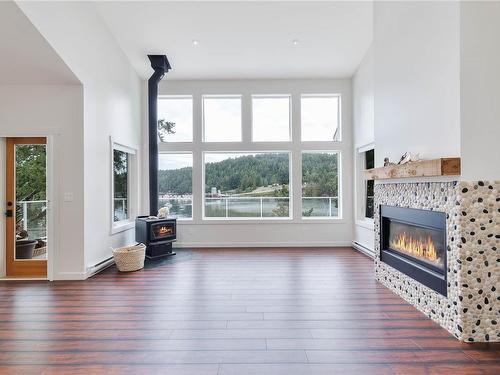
[(176, 181), (319, 170), (246, 173)]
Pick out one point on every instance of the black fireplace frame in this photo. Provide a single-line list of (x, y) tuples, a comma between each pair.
[(424, 273)]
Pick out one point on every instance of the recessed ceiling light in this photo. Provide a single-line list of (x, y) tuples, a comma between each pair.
[(195, 42), (295, 42)]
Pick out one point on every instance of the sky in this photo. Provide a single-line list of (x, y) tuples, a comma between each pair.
[(222, 119), (174, 161), (180, 111), (214, 157), (181, 160), (319, 118), (271, 119)]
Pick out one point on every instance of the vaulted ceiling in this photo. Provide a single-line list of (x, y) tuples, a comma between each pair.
[(243, 40), (26, 57)]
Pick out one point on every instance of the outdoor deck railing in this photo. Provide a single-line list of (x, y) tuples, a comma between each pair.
[(32, 216), (256, 207), (260, 207)]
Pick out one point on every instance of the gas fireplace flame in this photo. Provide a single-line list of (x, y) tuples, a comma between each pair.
[(424, 248), (165, 230)]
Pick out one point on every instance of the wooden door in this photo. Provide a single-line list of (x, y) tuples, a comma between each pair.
[(26, 203)]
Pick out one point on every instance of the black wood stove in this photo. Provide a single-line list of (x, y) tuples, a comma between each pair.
[(156, 234)]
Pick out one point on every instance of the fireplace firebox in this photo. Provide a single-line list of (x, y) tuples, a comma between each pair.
[(413, 241), (157, 234)]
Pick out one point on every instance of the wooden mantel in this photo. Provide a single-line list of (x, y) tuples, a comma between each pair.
[(421, 168)]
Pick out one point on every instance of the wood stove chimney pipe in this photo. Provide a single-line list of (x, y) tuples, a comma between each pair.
[(160, 65)]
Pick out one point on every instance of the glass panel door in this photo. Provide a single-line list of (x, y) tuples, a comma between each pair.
[(27, 235)]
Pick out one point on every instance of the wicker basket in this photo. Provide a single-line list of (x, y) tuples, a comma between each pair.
[(130, 258)]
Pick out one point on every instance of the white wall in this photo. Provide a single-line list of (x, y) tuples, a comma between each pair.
[(363, 102), (112, 103), (363, 136), (56, 111), (296, 232), (416, 48), (480, 84)]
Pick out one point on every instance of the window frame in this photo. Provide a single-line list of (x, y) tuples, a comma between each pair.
[(245, 90), (272, 96), (339, 115), (246, 219), (132, 187)]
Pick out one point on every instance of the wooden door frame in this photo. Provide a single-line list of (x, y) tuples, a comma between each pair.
[(24, 268)]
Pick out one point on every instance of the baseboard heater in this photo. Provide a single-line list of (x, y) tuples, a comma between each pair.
[(363, 249), (92, 270)]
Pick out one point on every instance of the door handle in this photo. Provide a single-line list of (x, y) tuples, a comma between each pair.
[(9, 213)]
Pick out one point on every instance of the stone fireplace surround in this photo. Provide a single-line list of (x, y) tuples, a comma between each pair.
[(471, 311)]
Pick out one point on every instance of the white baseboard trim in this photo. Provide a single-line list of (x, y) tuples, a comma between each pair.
[(70, 276), (91, 271), (363, 249), (101, 266), (5, 278), (262, 244)]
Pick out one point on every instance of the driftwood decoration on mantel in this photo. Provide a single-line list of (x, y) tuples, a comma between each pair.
[(421, 168)]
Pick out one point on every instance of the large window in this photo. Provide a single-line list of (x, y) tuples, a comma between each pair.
[(247, 157), (320, 185), (124, 187), (247, 185), (271, 118), (320, 117), (222, 118), (175, 184), (175, 118)]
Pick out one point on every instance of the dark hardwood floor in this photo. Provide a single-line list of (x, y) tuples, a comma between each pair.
[(229, 311)]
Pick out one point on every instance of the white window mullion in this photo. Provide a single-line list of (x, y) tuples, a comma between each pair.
[(296, 184), (198, 185), (246, 119), (196, 148), (296, 170), (197, 120)]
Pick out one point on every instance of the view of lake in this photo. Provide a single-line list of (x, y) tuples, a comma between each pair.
[(260, 207)]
